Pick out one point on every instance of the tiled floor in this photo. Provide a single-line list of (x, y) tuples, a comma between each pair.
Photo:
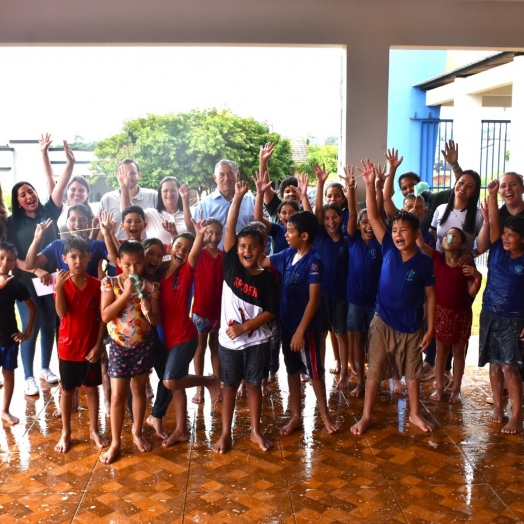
[(465, 470)]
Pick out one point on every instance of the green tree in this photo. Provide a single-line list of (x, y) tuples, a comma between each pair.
[(326, 154), (188, 145)]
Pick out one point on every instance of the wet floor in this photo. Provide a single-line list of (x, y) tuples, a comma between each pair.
[(465, 470)]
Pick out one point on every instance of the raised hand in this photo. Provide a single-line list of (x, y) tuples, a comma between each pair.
[(70, 156), (450, 152), (42, 228), (493, 188), (201, 226), (348, 177), (107, 225), (123, 177), (320, 172), (45, 141), (261, 181), (266, 151), (183, 191), (484, 207), (367, 171), (393, 160), (241, 188), (61, 278), (301, 189), (380, 174)]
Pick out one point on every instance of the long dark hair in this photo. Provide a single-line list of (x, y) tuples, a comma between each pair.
[(16, 209), (160, 203), (471, 209)]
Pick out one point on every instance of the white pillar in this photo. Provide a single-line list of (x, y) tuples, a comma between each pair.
[(516, 128), (467, 125)]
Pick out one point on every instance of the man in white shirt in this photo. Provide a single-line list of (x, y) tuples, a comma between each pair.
[(217, 204), (140, 196)]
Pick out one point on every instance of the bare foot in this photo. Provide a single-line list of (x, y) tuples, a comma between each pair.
[(158, 425), (176, 436), (272, 377), (57, 414), (100, 440), (358, 391), (352, 369), (263, 442), (64, 444), (293, 425), (455, 397), (222, 445), (10, 419), (330, 424), (110, 455), (199, 396), (304, 377), (398, 387), (242, 390), (343, 382), (141, 443), (149, 390), (437, 394), (361, 426), (335, 370), (513, 426), (265, 390), (421, 422), (215, 391), (497, 416)]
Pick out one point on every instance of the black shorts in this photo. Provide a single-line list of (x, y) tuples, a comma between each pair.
[(499, 340), (178, 359), (75, 374), (306, 360), (333, 314), (249, 364)]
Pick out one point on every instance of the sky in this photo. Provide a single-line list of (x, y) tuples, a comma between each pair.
[(91, 91)]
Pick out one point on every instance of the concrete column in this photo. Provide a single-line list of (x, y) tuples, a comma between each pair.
[(467, 125), (516, 129)]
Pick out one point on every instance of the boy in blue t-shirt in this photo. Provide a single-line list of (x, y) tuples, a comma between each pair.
[(407, 279), (300, 271)]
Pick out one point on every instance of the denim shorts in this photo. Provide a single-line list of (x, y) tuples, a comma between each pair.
[(9, 357), (249, 364), (359, 318), (179, 358), (333, 314), (205, 325)]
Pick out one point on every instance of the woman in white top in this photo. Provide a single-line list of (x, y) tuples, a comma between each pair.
[(172, 214), (462, 211)]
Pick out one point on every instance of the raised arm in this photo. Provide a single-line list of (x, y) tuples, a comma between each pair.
[(183, 191), (349, 190), (320, 173), (60, 303), (200, 230), (450, 154), (262, 183), (380, 180), (123, 182), (368, 175), (34, 259), (495, 230), (230, 236), (389, 189), (107, 227), (303, 181), (483, 236), (266, 152), (58, 191), (45, 142)]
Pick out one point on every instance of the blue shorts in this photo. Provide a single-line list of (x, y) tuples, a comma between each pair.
[(179, 358), (9, 357), (333, 314), (205, 325), (249, 364), (359, 318), (307, 359)]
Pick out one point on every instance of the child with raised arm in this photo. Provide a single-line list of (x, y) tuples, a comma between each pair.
[(130, 306), (502, 315), (300, 271), (180, 332), (11, 290), (397, 331), (365, 264), (249, 304), (80, 338)]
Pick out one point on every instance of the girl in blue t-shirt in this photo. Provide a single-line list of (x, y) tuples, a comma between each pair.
[(502, 315)]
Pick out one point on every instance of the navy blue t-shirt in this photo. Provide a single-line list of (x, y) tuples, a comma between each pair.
[(429, 239), (296, 279), (97, 248), (345, 218), (365, 263), (334, 256), (401, 290), (505, 286), (278, 234)]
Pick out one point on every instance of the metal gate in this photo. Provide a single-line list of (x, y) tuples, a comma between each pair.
[(494, 150), (433, 169)]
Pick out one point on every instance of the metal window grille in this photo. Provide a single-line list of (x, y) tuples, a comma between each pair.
[(433, 168)]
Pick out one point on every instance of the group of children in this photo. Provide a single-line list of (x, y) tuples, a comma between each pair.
[(341, 269)]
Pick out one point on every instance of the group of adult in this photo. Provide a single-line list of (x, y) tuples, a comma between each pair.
[(164, 205)]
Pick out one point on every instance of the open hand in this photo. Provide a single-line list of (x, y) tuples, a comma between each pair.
[(393, 160), (45, 141), (266, 151), (320, 172), (450, 152)]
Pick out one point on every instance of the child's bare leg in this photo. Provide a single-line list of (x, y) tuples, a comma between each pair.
[(351, 353), (9, 387), (66, 400), (343, 381), (459, 363), (229, 394), (440, 366), (254, 399), (213, 348), (514, 381), (415, 417), (319, 387), (398, 387), (369, 401), (138, 388), (198, 362), (323, 336), (295, 404), (119, 388), (360, 340), (496, 377), (106, 381), (93, 401)]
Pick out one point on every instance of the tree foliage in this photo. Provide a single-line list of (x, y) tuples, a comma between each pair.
[(326, 154), (188, 145)]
